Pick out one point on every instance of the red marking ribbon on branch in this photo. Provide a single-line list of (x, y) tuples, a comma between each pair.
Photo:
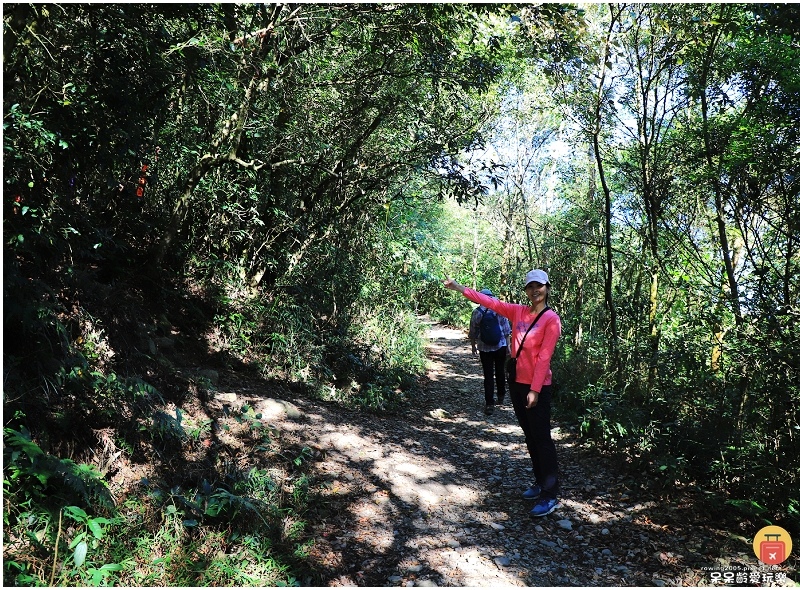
[(142, 182)]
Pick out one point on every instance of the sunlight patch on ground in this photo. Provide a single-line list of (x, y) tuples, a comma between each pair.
[(444, 371), (376, 514), (479, 424), (471, 568), (400, 472), (587, 511), (446, 333), (490, 445), (412, 469), (343, 442), (438, 371), (428, 493), (447, 375)]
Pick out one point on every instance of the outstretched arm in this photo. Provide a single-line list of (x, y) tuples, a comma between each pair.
[(504, 309), (452, 284)]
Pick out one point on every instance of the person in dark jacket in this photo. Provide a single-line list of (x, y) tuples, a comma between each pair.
[(492, 355)]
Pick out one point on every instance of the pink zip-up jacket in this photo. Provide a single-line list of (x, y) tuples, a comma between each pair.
[(533, 365)]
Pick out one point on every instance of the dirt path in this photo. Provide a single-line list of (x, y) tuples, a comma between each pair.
[(432, 498)]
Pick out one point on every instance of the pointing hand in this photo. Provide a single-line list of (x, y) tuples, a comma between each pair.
[(451, 284)]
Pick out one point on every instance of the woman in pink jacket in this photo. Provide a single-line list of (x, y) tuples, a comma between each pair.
[(536, 329)]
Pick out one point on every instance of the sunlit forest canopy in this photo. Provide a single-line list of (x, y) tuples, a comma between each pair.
[(281, 188)]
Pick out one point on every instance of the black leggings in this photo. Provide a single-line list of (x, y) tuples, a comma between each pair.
[(535, 423)]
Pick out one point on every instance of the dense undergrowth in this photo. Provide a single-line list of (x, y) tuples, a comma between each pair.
[(675, 441), (112, 473)]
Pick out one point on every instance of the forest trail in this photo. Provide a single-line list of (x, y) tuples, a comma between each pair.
[(432, 498)]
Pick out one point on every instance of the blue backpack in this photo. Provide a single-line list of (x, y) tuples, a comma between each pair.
[(490, 328)]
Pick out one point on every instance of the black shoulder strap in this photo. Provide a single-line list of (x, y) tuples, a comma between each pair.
[(521, 344)]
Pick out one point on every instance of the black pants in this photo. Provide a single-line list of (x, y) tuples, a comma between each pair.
[(493, 364), (535, 423)]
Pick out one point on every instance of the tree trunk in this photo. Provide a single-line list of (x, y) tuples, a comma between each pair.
[(654, 335), (609, 263), (719, 208), (577, 339), (508, 279)]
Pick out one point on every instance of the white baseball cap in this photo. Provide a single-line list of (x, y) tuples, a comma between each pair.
[(538, 276)]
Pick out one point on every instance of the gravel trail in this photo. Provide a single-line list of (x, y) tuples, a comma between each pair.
[(432, 498)]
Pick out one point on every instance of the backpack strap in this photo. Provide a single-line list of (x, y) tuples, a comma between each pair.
[(483, 313), (521, 344)]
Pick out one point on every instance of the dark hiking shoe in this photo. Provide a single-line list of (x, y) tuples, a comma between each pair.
[(488, 410), (532, 493)]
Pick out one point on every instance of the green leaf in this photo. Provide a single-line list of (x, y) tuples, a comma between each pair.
[(20, 440), (76, 513), (78, 538), (750, 506), (214, 509), (80, 553), (96, 529)]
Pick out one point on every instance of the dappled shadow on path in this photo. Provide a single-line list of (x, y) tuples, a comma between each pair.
[(406, 495), (432, 496)]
